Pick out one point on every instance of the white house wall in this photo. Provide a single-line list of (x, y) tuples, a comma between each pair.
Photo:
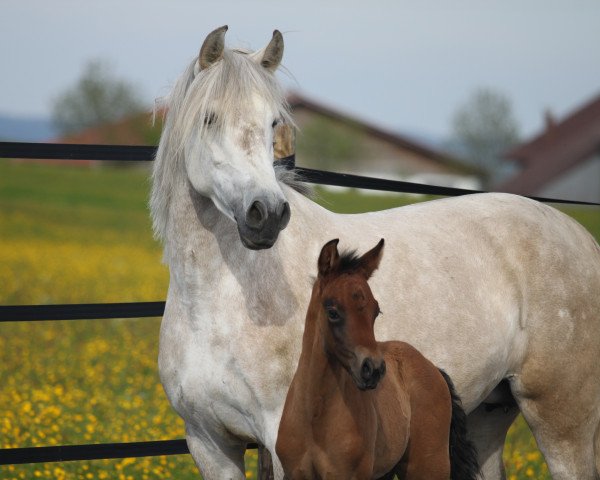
[(580, 183)]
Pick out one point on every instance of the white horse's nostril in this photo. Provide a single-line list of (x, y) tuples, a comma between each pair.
[(284, 218), (256, 216)]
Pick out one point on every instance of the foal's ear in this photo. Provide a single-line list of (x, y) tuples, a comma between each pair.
[(212, 48), (329, 257), (369, 262), (273, 52)]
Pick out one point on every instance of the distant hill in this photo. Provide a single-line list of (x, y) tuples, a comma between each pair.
[(18, 129)]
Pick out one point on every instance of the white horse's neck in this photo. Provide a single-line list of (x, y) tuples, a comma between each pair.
[(203, 248)]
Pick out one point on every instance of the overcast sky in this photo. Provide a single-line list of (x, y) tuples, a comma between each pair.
[(403, 65)]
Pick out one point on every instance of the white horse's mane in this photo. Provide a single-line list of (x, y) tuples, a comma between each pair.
[(220, 90)]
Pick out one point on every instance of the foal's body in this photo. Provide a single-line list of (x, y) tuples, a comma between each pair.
[(362, 409), (334, 418)]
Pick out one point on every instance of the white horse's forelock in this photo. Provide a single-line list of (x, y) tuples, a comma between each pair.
[(223, 90)]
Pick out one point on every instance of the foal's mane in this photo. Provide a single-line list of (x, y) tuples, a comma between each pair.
[(349, 262), (224, 85)]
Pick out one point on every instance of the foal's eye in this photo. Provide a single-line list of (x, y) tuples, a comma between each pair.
[(209, 118), (275, 123), (333, 315)]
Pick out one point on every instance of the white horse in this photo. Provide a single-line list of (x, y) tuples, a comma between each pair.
[(500, 291)]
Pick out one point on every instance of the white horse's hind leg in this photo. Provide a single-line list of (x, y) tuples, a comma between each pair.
[(487, 429), (215, 457), (564, 420), (568, 454)]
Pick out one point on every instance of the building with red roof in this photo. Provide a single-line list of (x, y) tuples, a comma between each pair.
[(563, 161)]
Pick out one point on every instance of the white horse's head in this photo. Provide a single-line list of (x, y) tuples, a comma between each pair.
[(220, 127)]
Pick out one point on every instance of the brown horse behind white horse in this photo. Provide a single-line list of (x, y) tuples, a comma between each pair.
[(344, 416)]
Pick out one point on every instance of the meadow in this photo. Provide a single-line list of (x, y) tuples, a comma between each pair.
[(79, 235)]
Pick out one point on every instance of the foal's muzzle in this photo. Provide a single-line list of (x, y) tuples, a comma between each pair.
[(371, 372), (262, 222)]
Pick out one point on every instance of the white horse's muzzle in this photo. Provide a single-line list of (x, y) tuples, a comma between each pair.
[(260, 224)]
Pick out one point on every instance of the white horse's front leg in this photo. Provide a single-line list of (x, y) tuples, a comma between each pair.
[(277, 468), (272, 423), (216, 457)]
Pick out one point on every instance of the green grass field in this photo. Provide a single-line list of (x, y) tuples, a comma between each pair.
[(71, 235)]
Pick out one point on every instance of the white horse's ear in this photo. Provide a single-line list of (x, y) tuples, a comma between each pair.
[(212, 48), (273, 52), (284, 141), (329, 257)]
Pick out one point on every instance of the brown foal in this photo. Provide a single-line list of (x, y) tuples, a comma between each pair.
[(362, 409)]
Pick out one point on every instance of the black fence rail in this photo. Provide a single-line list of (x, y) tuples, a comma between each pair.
[(94, 451), (13, 313), (80, 311), (136, 153)]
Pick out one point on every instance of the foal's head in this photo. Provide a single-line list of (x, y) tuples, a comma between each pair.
[(347, 311)]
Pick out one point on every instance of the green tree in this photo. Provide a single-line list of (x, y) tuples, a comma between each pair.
[(96, 98), (485, 127)]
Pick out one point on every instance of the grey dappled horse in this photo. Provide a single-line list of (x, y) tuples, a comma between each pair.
[(501, 292)]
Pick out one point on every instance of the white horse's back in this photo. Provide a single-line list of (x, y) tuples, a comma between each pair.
[(487, 269)]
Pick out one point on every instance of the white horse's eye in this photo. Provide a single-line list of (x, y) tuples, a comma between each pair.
[(275, 123), (209, 118)]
